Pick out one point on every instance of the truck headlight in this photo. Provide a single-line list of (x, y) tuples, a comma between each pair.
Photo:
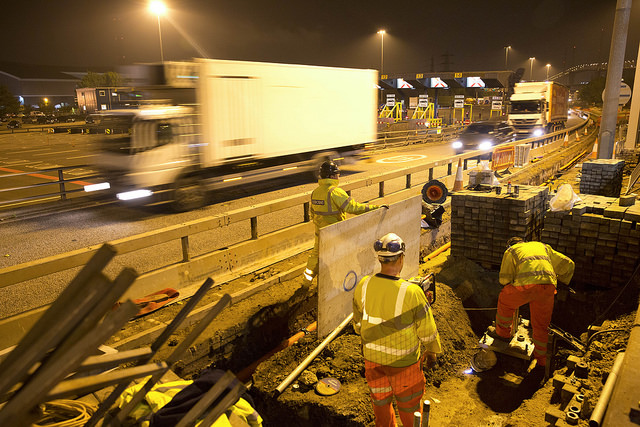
[(538, 132), (456, 144), (485, 145), (135, 194)]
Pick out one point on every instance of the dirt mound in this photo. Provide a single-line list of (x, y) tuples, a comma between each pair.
[(299, 404)]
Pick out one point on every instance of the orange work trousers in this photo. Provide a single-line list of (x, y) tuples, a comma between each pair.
[(385, 382), (540, 300)]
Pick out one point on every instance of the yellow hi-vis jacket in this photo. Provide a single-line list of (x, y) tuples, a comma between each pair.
[(330, 202), (393, 318), (161, 394), (529, 263)]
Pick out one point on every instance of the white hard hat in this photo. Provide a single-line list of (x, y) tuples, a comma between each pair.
[(389, 245)]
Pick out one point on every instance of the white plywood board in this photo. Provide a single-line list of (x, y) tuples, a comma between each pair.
[(347, 255)]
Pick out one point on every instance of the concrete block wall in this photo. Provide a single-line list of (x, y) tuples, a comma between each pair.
[(602, 237), (483, 221), (602, 177)]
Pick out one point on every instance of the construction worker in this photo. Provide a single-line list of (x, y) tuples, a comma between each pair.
[(329, 204), (394, 320), (529, 273)]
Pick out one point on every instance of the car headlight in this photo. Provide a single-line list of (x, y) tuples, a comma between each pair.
[(456, 144), (485, 145), (538, 132)]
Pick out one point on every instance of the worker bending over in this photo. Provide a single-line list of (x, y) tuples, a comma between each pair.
[(394, 320), (330, 204), (529, 273)]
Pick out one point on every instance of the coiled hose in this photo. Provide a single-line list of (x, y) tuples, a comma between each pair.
[(65, 413)]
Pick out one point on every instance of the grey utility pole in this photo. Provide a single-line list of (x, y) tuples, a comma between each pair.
[(632, 132), (614, 76)]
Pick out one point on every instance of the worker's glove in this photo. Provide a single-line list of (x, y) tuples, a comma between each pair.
[(384, 206), (430, 360)]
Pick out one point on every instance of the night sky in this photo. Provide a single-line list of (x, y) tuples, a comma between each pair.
[(421, 35)]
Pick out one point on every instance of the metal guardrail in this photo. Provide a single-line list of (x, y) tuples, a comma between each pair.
[(58, 181), (39, 268)]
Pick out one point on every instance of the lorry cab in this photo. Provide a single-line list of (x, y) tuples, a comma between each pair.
[(145, 148)]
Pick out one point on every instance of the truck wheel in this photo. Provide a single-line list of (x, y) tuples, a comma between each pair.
[(188, 195)]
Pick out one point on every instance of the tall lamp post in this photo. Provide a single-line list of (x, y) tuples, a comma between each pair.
[(506, 57), (382, 33), (548, 65), (158, 8), (531, 71)]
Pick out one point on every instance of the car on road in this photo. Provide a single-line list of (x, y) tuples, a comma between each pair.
[(483, 136), (13, 124)]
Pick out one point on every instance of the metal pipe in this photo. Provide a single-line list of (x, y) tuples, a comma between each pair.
[(302, 366), (605, 395)]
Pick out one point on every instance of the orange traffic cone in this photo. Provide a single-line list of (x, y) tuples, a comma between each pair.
[(577, 136), (566, 140), (458, 184), (585, 130), (594, 152)]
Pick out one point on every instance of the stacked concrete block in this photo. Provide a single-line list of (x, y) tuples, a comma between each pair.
[(483, 221), (602, 238), (602, 177)]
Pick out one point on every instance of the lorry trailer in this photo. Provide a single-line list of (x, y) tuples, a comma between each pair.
[(220, 123)]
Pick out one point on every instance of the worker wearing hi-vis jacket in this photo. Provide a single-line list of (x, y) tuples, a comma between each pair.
[(330, 204), (394, 320), (529, 273)]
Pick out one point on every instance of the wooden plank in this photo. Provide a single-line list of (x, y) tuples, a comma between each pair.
[(347, 255), (35, 389), (155, 346), (81, 386), (108, 361), (50, 330), (176, 355), (207, 400), (97, 311)]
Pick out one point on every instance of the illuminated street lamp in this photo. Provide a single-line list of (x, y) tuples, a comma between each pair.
[(531, 72), (506, 57), (548, 65), (158, 8), (382, 33)]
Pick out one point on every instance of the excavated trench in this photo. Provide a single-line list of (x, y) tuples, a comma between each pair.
[(467, 296)]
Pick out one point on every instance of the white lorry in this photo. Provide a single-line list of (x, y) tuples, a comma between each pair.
[(537, 108), (225, 123)]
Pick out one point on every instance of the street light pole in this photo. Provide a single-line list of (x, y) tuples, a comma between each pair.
[(158, 8), (531, 71), (548, 65), (506, 57), (382, 33)]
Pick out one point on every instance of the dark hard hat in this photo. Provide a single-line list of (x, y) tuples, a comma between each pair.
[(514, 241), (328, 168)]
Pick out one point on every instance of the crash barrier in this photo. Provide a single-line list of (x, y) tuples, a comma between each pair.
[(52, 184), (414, 134), (521, 156), (502, 157), (224, 263)]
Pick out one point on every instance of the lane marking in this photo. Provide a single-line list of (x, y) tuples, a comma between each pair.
[(402, 158), (81, 157), (56, 152), (28, 151), (38, 175)]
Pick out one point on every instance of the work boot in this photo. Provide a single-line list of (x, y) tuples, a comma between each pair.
[(491, 332)]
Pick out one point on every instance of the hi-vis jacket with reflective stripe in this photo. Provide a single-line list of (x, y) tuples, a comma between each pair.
[(330, 202), (393, 318), (529, 263)]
